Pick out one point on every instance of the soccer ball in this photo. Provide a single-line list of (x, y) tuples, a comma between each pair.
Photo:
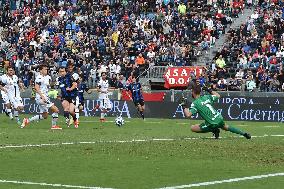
[(119, 121)]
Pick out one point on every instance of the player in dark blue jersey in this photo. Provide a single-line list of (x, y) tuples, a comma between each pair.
[(69, 95), (82, 87), (136, 90)]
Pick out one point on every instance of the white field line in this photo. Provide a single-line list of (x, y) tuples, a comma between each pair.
[(224, 181), (241, 125), (119, 141), (154, 122), (46, 184), (271, 126), (97, 121)]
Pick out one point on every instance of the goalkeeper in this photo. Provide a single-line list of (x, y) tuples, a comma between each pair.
[(213, 119)]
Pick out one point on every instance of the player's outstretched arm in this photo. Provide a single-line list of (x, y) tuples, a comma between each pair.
[(215, 94), (3, 88), (210, 91)]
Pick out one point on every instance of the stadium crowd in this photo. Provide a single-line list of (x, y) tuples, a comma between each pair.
[(124, 37), (117, 36), (254, 57)]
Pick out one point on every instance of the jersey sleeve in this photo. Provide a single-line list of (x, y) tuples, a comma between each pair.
[(4, 80), (193, 109), (100, 84), (38, 80), (16, 79), (213, 98)]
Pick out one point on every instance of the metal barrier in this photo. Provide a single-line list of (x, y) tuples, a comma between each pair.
[(156, 72)]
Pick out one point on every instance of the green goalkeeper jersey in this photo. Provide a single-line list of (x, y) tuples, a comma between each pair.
[(203, 106)]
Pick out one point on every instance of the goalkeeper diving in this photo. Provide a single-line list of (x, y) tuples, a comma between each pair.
[(213, 119)]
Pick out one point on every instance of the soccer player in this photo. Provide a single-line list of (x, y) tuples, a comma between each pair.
[(10, 90), (73, 94), (69, 94), (6, 101), (82, 87), (213, 119), (103, 89), (42, 83), (137, 97)]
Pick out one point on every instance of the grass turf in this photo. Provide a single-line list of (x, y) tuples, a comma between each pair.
[(139, 165)]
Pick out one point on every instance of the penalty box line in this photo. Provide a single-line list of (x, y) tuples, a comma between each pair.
[(52, 185), (224, 181), (121, 141)]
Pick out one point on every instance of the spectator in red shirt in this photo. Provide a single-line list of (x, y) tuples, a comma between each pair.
[(272, 63)]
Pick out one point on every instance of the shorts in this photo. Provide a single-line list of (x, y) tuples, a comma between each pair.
[(16, 102), (73, 100), (5, 97), (139, 102), (105, 103), (81, 103), (43, 107), (220, 125)]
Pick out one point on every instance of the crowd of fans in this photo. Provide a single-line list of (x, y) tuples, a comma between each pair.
[(121, 37), (124, 37), (254, 57)]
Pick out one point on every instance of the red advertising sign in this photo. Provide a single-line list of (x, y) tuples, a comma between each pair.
[(180, 76)]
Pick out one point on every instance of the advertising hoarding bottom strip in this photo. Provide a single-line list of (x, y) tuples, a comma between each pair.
[(5, 146)]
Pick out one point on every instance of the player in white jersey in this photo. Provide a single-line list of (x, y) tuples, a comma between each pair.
[(103, 88), (6, 101), (10, 91), (42, 85)]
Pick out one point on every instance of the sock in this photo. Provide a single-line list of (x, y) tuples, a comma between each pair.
[(77, 114), (5, 110), (235, 130), (74, 117), (9, 112), (142, 114), (102, 115), (66, 115), (54, 119), (16, 114), (35, 118)]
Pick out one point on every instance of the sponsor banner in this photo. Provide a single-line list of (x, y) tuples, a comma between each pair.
[(251, 100), (236, 110), (180, 76)]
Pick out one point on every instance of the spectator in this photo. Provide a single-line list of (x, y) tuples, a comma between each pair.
[(222, 84), (234, 84), (274, 84), (250, 84), (220, 62)]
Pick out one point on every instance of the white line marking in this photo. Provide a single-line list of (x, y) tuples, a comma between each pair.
[(154, 122), (242, 125), (53, 185), (3, 146), (271, 126), (98, 121), (224, 181)]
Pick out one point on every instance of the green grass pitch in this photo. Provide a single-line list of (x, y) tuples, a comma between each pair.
[(113, 161)]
